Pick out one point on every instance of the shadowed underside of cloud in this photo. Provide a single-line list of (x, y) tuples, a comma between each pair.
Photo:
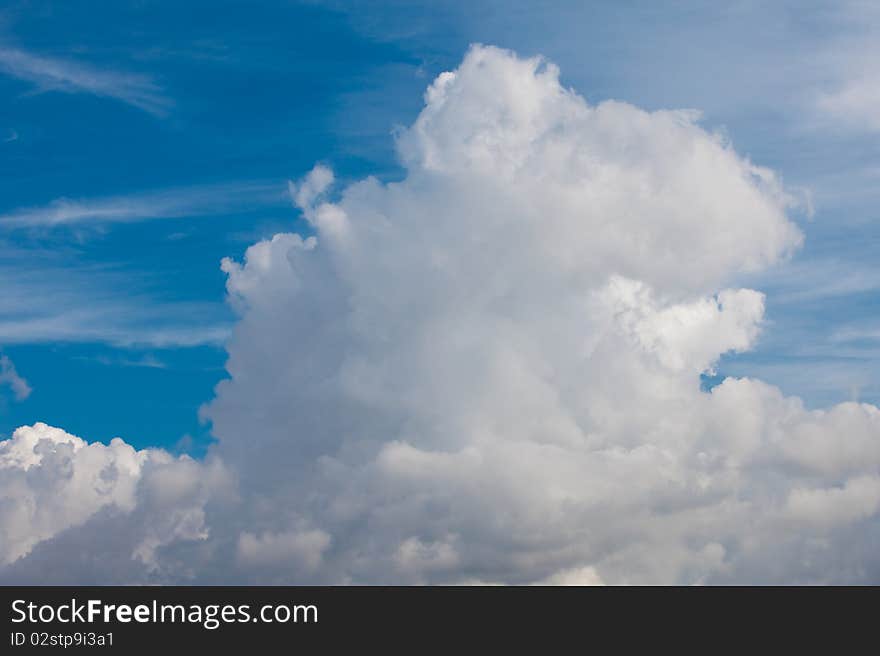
[(486, 372)]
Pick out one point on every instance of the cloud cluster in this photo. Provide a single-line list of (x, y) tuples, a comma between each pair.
[(490, 371), (52, 482)]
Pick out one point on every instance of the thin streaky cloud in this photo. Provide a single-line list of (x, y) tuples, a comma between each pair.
[(799, 282), (165, 204), (71, 326), (54, 74), (9, 376), (66, 303), (853, 334), (147, 361)]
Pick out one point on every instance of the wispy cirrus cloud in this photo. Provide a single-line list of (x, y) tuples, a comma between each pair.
[(9, 376), (41, 309), (855, 103), (134, 330), (164, 204), (869, 332), (849, 93), (56, 74), (799, 281), (147, 361), (60, 301)]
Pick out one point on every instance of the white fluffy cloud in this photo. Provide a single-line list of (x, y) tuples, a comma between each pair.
[(51, 481), (490, 370)]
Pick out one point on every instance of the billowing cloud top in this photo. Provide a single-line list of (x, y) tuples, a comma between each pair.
[(490, 372)]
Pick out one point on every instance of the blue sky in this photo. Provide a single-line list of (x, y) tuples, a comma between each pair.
[(142, 142)]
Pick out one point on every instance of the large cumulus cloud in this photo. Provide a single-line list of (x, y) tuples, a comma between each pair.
[(490, 371)]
